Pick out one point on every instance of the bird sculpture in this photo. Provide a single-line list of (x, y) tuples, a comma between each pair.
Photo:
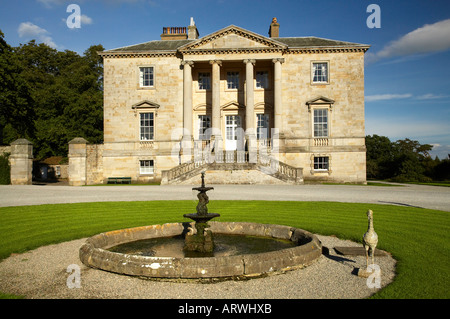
[(370, 239)]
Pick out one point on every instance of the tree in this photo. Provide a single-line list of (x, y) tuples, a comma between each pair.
[(15, 98), (379, 157), (409, 160), (66, 93), (402, 161)]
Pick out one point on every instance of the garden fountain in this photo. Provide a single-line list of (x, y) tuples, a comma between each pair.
[(203, 249), (202, 240)]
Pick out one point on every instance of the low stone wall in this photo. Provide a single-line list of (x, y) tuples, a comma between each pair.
[(94, 254)]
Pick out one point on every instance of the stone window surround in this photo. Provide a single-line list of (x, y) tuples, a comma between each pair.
[(139, 125), (138, 76), (320, 102), (145, 158), (329, 115), (328, 72), (327, 123), (321, 171)]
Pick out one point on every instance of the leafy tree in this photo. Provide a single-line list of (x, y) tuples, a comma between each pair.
[(380, 156), (402, 161), (409, 160), (15, 98), (442, 170), (66, 93)]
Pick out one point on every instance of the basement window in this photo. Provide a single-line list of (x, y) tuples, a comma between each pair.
[(146, 167), (321, 163)]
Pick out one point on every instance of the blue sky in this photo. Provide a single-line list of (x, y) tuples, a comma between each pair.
[(407, 86)]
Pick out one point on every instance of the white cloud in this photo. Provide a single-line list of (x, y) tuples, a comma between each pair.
[(380, 97), (428, 39), (85, 19), (432, 96), (50, 3), (384, 97), (30, 30)]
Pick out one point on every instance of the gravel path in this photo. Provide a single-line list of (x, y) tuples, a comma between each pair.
[(42, 273)]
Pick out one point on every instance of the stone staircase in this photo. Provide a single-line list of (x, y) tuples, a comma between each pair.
[(261, 170)]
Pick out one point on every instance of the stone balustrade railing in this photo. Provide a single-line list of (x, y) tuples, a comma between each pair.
[(265, 163)]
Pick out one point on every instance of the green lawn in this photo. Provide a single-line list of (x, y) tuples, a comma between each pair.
[(417, 238)]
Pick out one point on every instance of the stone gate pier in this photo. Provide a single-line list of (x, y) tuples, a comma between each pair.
[(21, 160)]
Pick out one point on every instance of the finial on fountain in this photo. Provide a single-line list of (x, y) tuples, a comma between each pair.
[(203, 179)]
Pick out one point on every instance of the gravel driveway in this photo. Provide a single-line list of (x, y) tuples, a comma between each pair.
[(432, 197)]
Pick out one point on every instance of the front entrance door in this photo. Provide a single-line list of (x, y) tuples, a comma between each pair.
[(232, 124)]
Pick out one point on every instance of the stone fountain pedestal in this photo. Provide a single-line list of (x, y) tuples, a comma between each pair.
[(200, 239)]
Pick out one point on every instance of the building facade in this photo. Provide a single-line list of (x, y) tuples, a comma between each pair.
[(246, 108)]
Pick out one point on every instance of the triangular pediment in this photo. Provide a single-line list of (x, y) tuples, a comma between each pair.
[(233, 105), (145, 104), (320, 100), (233, 38)]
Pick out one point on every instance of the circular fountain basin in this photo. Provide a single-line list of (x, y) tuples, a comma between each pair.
[(306, 249)]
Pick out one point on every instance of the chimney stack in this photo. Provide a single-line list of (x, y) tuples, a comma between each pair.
[(192, 30), (274, 30)]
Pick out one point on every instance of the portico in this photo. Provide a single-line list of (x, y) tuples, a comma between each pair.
[(222, 95)]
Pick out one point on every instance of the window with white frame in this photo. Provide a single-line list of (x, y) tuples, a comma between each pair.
[(262, 126), (320, 122), (204, 81), (233, 80), (146, 167), (262, 79), (147, 126), (320, 72), (204, 123), (146, 76), (321, 163)]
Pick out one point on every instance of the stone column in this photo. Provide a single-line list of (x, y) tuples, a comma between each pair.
[(216, 134), (215, 96), (278, 146), (187, 143), (277, 93), (249, 97), (77, 161), (187, 99), (21, 162)]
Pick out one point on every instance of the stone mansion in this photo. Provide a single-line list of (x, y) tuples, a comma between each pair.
[(244, 107)]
